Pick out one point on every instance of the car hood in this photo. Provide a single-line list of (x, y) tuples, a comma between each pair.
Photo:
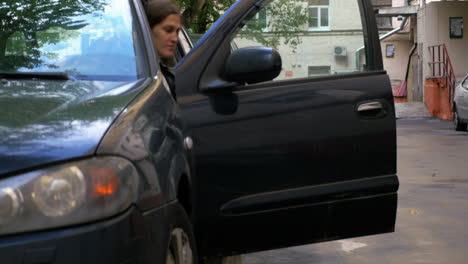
[(49, 121)]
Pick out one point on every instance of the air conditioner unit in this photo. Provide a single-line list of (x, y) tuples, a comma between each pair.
[(340, 51)]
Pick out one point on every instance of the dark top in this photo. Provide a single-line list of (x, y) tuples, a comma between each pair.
[(170, 78)]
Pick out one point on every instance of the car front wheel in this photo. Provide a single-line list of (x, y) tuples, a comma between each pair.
[(181, 248)]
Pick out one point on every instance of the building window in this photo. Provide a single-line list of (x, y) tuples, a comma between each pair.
[(259, 22), (263, 18), (383, 22), (319, 70), (319, 15)]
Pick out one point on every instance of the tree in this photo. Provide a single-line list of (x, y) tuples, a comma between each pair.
[(27, 17), (199, 15), (287, 19), (290, 16)]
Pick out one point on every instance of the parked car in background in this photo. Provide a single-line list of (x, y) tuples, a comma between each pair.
[(460, 105), (100, 164)]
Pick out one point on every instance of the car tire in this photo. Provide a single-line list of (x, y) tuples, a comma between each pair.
[(181, 248), (458, 124)]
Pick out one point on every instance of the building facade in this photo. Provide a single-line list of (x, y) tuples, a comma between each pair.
[(315, 37), (429, 25)]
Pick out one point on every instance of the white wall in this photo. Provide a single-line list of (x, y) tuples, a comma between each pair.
[(341, 13), (317, 48), (429, 1), (437, 32), (396, 3), (396, 66)]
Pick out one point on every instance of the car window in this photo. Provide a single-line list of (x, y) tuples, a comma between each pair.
[(87, 40), (184, 46), (314, 37), (185, 42), (195, 37)]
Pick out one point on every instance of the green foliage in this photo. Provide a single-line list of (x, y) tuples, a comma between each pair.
[(199, 15), (290, 18), (283, 22), (25, 24), (38, 15)]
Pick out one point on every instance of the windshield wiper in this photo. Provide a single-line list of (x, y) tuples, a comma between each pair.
[(36, 75)]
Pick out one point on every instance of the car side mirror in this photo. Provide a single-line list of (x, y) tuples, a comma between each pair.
[(252, 65)]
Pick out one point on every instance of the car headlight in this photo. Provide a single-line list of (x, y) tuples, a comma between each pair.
[(72, 193)]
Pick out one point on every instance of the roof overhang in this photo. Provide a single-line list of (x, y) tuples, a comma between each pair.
[(398, 11)]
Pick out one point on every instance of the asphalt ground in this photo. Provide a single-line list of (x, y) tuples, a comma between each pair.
[(411, 109), (432, 215)]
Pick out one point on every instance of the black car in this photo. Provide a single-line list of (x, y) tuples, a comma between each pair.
[(285, 140)]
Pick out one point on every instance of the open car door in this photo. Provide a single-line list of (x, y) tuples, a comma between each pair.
[(309, 156)]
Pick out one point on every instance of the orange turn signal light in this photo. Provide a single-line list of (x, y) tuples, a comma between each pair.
[(104, 182)]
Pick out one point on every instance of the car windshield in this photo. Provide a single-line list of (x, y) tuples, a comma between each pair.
[(84, 39)]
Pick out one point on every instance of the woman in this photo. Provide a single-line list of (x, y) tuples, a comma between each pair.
[(165, 22)]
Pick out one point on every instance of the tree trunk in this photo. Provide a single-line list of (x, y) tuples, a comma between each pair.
[(191, 14), (201, 21), (200, 4), (3, 42)]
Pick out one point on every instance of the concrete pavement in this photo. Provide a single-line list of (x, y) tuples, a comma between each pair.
[(411, 109)]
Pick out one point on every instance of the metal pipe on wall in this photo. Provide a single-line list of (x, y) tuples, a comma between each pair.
[(357, 53)]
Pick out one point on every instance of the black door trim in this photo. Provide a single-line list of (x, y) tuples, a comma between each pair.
[(311, 195)]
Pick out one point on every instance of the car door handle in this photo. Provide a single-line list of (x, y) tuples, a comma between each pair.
[(370, 106), (371, 109)]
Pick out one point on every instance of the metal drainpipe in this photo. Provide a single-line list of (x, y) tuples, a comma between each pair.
[(388, 34)]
